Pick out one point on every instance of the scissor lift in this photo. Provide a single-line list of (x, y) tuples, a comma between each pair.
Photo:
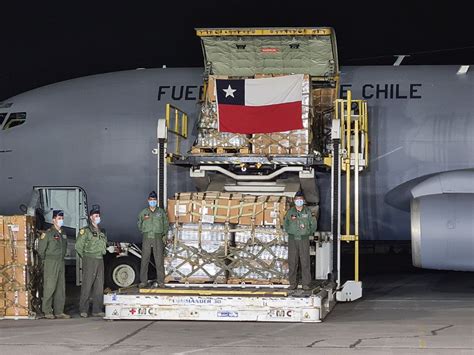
[(339, 142), (269, 303)]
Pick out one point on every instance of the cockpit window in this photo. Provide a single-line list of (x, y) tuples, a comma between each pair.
[(5, 104), (15, 119), (2, 117)]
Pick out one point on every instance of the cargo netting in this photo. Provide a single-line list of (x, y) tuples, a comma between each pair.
[(20, 274), (224, 253)]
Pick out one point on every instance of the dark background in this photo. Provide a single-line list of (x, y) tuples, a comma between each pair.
[(45, 42)]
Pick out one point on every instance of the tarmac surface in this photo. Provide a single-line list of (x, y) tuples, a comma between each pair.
[(404, 312)]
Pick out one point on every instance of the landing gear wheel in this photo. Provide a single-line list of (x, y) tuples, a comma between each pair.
[(122, 272)]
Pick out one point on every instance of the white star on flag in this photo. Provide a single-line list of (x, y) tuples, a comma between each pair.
[(229, 91)]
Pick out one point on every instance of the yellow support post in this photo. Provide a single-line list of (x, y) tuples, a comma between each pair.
[(176, 126), (356, 194), (348, 161), (168, 110), (185, 128), (366, 135)]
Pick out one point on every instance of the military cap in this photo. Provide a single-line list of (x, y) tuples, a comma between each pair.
[(299, 194), (94, 210), (58, 213)]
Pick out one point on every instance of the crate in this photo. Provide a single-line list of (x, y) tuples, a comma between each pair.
[(17, 235)]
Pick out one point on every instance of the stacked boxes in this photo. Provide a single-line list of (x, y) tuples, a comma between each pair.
[(323, 98), (222, 237), (218, 207), (16, 235)]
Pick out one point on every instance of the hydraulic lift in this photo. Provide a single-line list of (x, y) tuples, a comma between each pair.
[(222, 302)]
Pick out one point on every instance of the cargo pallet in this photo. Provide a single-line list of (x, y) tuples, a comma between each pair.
[(261, 303)]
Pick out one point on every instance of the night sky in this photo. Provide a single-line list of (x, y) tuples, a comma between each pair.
[(49, 42)]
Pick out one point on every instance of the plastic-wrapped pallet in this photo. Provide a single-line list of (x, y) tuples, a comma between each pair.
[(260, 255), (196, 253), (208, 135)]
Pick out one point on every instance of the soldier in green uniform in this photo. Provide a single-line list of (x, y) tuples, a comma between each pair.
[(91, 246), (52, 250), (300, 225), (153, 224)]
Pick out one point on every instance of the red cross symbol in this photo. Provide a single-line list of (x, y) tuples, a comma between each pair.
[(133, 311)]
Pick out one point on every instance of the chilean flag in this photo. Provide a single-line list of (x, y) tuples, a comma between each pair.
[(260, 105)]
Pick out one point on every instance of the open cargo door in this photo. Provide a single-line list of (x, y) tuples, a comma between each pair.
[(246, 52)]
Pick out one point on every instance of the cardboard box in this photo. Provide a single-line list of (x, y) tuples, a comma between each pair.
[(274, 210), (226, 204), (251, 211), (273, 144), (204, 207), (2, 254), (13, 278), (17, 303), (14, 252), (2, 303), (323, 98), (18, 227), (179, 211), (2, 237)]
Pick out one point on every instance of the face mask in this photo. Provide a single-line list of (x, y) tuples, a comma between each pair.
[(97, 220), (152, 203), (299, 203), (60, 222)]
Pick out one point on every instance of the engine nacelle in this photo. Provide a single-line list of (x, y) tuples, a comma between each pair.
[(442, 222)]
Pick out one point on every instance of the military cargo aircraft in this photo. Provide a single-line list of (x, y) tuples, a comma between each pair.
[(98, 132)]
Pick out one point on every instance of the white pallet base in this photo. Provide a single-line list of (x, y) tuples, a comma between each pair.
[(219, 308), (17, 317)]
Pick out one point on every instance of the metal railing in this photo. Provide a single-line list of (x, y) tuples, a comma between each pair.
[(176, 123), (352, 115)]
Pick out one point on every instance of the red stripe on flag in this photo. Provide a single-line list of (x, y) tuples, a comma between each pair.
[(260, 119)]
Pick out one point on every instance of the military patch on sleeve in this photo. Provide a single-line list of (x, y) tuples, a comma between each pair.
[(42, 236), (81, 232)]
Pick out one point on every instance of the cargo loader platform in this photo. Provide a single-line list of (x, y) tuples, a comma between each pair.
[(206, 302)]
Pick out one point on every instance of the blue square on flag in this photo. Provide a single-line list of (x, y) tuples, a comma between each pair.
[(230, 92), (263, 105)]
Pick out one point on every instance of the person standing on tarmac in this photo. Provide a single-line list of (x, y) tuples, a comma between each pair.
[(300, 225), (153, 224), (91, 246), (52, 250)]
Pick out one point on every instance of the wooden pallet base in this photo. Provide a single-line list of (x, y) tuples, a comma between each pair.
[(195, 280), (237, 281), (220, 150)]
